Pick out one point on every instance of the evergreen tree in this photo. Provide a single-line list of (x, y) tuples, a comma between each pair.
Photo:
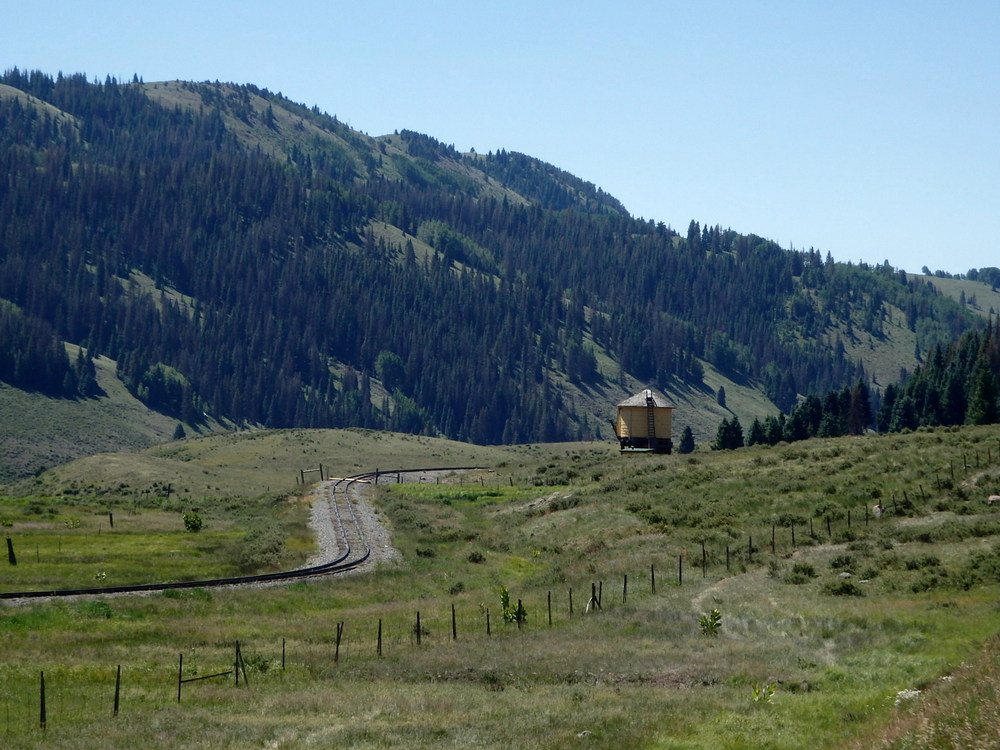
[(686, 444), (756, 434), (721, 441), (983, 407), (729, 436), (884, 417), (859, 414), (735, 433)]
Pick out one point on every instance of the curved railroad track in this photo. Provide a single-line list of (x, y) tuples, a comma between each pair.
[(353, 551)]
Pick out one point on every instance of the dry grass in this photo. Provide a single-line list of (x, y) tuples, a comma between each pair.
[(960, 709), (638, 673)]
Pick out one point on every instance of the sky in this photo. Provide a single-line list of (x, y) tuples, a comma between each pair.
[(869, 130)]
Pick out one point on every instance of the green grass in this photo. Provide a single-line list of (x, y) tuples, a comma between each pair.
[(543, 521), (78, 542)]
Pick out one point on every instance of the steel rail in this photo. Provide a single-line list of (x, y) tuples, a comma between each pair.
[(339, 565)]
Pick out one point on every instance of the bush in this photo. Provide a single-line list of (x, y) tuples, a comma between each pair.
[(843, 587), (801, 573), (476, 557), (710, 623), (261, 547), (923, 561), (929, 579), (842, 561), (193, 522)]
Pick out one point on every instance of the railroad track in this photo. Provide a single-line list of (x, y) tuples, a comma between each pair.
[(353, 551)]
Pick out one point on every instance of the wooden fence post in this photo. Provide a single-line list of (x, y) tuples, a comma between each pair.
[(240, 665), (595, 601), (42, 718), (378, 647), (180, 674), (570, 601), (11, 557), (118, 688), (652, 579), (454, 625), (549, 602), (680, 569), (340, 634), (418, 627), (625, 589)]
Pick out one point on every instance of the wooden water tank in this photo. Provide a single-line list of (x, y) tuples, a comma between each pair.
[(644, 423)]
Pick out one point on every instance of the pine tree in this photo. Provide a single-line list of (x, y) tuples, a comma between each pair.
[(735, 433), (983, 407), (721, 441), (756, 434), (687, 441), (859, 414)]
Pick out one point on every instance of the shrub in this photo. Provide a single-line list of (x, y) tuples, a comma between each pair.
[(801, 573), (193, 522), (844, 587), (476, 557), (510, 612), (922, 561), (261, 547), (842, 561), (710, 623), (763, 693), (929, 580)]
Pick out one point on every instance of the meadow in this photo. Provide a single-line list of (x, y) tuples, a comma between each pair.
[(746, 598)]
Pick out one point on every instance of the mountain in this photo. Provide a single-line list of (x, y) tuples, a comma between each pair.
[(245, 260)]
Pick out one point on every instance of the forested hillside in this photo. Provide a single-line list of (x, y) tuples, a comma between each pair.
[(248, 258)]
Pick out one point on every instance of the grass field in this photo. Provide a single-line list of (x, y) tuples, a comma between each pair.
[(899, 653)]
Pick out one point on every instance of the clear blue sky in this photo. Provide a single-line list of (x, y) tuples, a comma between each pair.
[(869, 130)]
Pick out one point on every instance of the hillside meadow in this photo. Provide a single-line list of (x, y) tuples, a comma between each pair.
[(715, 600)]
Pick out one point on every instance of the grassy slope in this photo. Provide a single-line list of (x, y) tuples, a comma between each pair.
[(546, 519), (251, 463), (38, 432), (985, 298)]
